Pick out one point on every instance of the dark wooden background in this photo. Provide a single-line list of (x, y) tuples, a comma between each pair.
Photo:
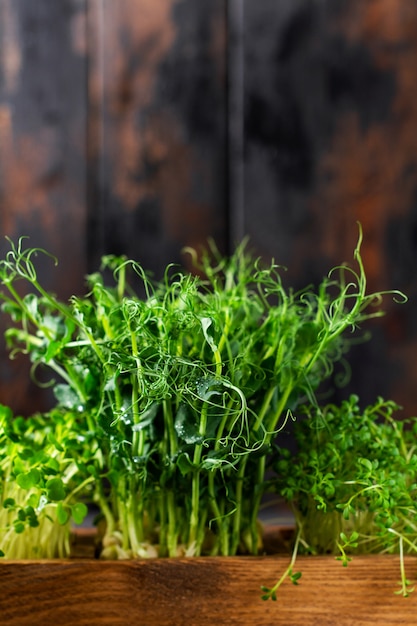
[(141, 126)]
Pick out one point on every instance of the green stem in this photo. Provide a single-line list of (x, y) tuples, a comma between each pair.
[(273, 422), (237, 516), (271, 593), (163, 526), (105, 509), (134, 518), (264, 408), (219, 519), (193, 537), (256, 504), (171, 436), (172, 540), (138, 440)]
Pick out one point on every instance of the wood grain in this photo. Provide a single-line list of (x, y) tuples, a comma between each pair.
[(203, 592), (114, 121), (112, 140), (157, 128), (330, 139), (43, 119)]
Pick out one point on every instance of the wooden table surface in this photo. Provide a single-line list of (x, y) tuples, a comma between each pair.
[(203, 592)]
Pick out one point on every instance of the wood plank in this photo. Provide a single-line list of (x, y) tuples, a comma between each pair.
[(43, 118), (330, 136), (42, 153), (112, 139), (157, 92), (164, 592)]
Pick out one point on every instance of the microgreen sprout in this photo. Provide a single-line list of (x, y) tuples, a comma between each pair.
[(39, 487), (345, 544), (270, 593), (352, 482), (170, 404)]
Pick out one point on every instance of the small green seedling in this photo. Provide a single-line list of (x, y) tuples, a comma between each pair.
[(169, 409), (353, 481)]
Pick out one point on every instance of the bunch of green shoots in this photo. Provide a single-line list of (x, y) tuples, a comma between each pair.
[(38, 487), (179, 395), (353, 482)]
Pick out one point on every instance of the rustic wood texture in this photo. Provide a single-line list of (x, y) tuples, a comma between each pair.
[(203, 592), (42, 138), (42, 153), (158, 128), (112, 139), (138, 127), (331, 138)]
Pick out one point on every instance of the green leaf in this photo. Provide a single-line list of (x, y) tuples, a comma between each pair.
[(52, 439), (55, 489), (19, 527), (306, 335), (206, 323), (66, 396), (78, 512), (52, 350), (52, 465), (186, 427), (346, 512), (29, 480), (6, 413), (62, 514), (366, 463), (147, 417), (113, 477), (185, 465), (26, 453), (92, 470), (207, 387), (31, 517)]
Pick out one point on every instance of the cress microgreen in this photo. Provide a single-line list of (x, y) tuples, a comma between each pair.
[(40, 486), (169, 405), (352, 482)]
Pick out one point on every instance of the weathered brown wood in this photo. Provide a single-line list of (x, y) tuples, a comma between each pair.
[(158, 128), (113, 138), (330, 137), (42, 154), (42, 133), (203, 592)]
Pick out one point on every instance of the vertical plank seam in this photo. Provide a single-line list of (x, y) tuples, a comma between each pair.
[(235, 119)]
